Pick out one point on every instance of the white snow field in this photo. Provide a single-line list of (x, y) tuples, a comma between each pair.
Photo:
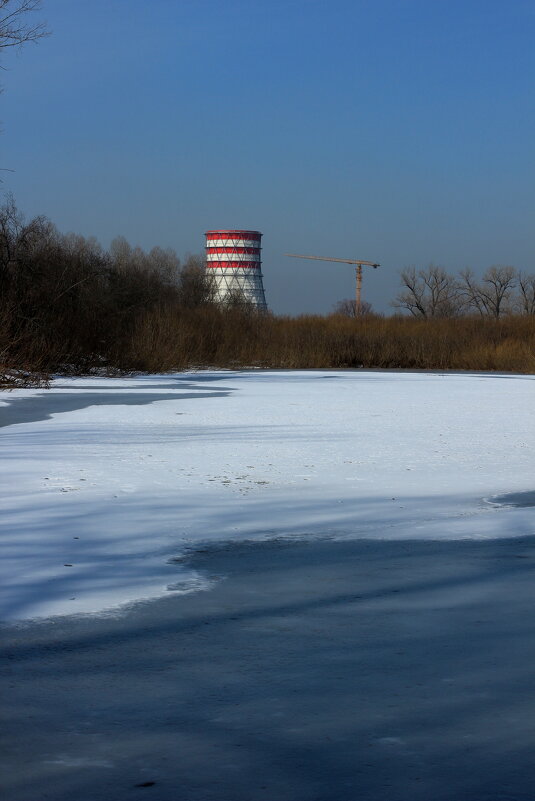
[(105, 481)]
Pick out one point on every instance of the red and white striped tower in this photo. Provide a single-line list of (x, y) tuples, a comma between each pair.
[(233, 260)]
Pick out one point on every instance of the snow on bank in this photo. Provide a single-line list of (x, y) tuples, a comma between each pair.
[(103, 481)]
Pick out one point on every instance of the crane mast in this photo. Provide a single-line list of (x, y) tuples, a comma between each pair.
[(358, 273)]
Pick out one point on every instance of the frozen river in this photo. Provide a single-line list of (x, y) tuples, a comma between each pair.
[(230, 586), (103, 481), (328, 671)]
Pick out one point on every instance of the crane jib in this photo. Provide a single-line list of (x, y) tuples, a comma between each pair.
[(358, 271)]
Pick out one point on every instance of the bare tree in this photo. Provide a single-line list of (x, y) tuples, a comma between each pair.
[(348, 308), (17, 27), (18, 238), (492, 295), (429, 293), (526, 285), (160, 262), (195, 286), (16, 24), (11, 225), (165, 263), (121, 253)]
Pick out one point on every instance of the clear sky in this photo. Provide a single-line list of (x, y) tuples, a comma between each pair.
[(397, 131)]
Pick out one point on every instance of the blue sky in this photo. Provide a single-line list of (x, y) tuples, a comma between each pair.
[(398, 131)]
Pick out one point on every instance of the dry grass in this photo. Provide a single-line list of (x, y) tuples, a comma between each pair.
[(170, 338)]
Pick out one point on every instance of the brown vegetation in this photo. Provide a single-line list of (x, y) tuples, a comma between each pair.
[(212, 336)]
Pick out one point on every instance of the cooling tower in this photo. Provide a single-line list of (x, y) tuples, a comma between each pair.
[(233, 260)]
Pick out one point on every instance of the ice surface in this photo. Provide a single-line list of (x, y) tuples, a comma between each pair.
[(105, 482), (356, 670)]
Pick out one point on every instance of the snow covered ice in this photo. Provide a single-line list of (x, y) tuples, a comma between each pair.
[(106, 483)]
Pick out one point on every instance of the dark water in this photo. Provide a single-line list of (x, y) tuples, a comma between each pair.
[(43, 405), (518, 499), (321, 671)]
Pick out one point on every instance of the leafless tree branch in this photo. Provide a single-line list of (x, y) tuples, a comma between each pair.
[(492, 295), (348, 308), (429, 293), (526, 285), (15, 28)]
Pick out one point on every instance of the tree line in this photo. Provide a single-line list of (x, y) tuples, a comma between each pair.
[(68, 305), (433, 292)]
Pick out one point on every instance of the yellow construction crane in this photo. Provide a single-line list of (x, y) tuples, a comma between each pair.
[(358, 272)]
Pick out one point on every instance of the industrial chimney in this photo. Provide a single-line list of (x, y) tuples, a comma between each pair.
[(233, 260)]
